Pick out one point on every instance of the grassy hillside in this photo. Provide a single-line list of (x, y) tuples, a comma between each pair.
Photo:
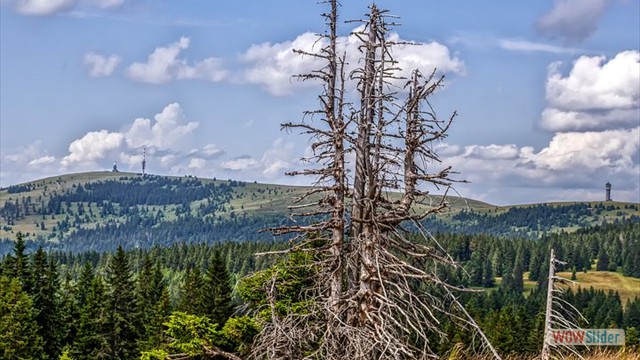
[(250, 199), (54, 208), (627, 287)]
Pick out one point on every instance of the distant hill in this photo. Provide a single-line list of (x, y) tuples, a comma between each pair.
[(98, 210)]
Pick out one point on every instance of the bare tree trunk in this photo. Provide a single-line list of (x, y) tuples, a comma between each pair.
[(546, 349), (364, 303)]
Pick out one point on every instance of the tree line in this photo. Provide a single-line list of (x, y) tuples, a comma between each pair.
[(211, 298)]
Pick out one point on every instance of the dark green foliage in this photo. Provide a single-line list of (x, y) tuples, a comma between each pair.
[(603, 260), (46, 302), (123, 325), (153, 304), (19, 338), (91, 339), (188, 276), (217, 291), (17, 265), (193, 293), (488, 279)]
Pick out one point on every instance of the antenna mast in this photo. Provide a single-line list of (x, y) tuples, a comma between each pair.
[(144, 159)]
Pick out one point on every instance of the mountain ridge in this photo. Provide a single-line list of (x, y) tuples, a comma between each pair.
[(94, 207)]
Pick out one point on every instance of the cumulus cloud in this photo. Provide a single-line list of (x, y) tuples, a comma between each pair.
[(51, 7), (272, 65), (92, 146), (613, 149), (572, 20), (595, 95), (594, 114), (163, 65), (168, 131), (100, 65), (168, 138), (581, 161), (245, 162), (492, 151)]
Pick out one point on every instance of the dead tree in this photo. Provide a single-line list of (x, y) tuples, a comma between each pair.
[(559, 314), (365, 302)]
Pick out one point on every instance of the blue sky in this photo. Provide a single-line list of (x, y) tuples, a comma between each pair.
[(548, 92)]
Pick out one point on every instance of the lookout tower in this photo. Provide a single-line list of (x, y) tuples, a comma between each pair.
[(607, 188)]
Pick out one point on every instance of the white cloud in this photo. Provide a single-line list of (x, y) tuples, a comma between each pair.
[(41, 7), (240, 163), (168, 131), (44, 160), (100, 65), (163, 65), (530, 46), (558, 120), (208, 151), (572, 163), (51, 7), (572, 20), (38, 161), (613, 149), (91, 147), (595, 95), (272, 65), (197, 163), (168, 138), (492, 151), (277, 158)]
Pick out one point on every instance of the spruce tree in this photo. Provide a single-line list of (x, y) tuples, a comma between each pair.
[(69, 312), (18, 265), (487, 275), (91, 340), (193, 293), (46, 303), (518, 271), (122, 313), (154, 304), (217, 291), (603, 260), (19, 338)]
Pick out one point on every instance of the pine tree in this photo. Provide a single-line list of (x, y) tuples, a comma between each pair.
[(122, 313), (192, 293), (91, 340), (487, 275), (18, 266), (154, 304), (19, 338), (603, 260), (518, 271), (69, 312), (46, 303), (217, 291)]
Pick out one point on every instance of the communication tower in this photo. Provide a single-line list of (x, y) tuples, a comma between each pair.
[(144, 160)]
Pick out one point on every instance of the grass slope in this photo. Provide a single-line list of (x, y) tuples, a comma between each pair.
[(627, 287), (250, 199)]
